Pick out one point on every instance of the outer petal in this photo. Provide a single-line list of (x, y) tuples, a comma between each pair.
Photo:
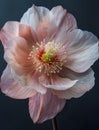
[(23, 69), (15, 29), (57, 83), (44, 107), (12, 88), (64, 22), (56, 24), (83, 50), (10, 30), (61, 18), (84, 84), (16, 54), (30, 81), (34, 15), (47, 24)]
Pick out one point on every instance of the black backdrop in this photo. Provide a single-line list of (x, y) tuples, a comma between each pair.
[(78, 114)]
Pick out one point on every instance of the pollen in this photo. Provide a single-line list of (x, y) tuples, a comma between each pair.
[(48, 56)]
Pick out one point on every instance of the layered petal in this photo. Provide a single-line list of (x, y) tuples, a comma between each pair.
[(85, 83), (61, 18), (56, 24), (64, 22), (29, 81), (56, 82), (34, 15), (15, 29), (16, 54), (12, 88), (82, 49), (49, 24), (44, 107), (9, 31)]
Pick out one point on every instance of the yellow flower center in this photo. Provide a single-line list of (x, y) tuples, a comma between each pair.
[(48, 56)]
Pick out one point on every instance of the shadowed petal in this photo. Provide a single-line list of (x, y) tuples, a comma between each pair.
[(57, 83), (83, 50), (44, 107), (12, 88), (16, 54), (84, 84), (15, 29)]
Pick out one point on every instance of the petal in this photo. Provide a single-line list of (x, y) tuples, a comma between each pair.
[(22, 67), (83, 50), (16, 54), (45, 107), (56, 24), (84, 84), (57, 83), (10, 30), (64, 21), (27, 33), (15, 29), (12, 88), (49, 24), (61, 18), (29, 81), (34, 15)]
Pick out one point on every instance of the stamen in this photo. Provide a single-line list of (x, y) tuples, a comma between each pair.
[(48, 58)]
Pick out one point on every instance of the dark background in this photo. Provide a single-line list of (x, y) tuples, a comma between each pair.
[(78, 114)]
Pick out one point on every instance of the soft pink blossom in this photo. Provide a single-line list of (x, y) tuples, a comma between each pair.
[(48, 60)]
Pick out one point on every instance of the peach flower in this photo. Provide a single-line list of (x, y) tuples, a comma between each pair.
[(48, 60)]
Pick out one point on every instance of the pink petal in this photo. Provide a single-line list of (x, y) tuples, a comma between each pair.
[(23, 69), (12, 88), (34, 15), (84, 84), (64, 21), (27, 33), (30, 81), (15, 29), (16, 54), (9, 31), (83, 50), (45, 30), (57, 83), (61, 18), (45, 107), (49, 24), (56, 24), (35, 84)]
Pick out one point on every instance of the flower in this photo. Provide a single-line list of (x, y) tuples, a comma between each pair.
[(48, 60)]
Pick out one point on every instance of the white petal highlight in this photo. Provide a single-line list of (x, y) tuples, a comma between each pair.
[(34, 15), (83, 50), (63, 21), (57, 83)]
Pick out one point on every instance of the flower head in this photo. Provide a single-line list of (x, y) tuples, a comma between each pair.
[(48, 60)]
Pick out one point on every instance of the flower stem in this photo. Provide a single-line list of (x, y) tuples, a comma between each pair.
[(54, 124)]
